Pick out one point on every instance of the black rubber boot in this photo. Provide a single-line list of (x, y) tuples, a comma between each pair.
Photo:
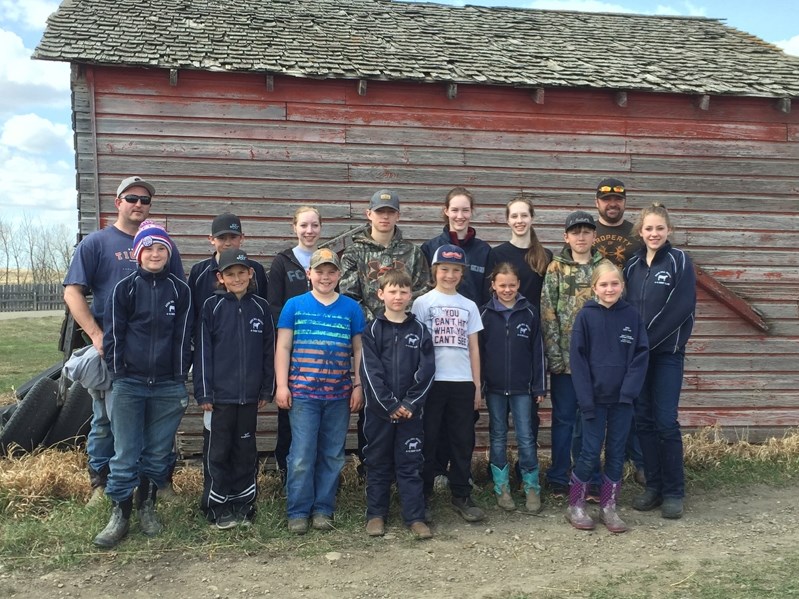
[(117, 527), (145, 503)]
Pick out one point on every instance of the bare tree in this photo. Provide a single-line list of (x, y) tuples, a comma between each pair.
[(6, 233), (31, 248)]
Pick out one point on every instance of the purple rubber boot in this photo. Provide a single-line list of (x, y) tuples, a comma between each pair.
[(576, 514), (608, 495)]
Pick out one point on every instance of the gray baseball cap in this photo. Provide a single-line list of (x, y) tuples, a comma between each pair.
[(385, 198), (133, 182)]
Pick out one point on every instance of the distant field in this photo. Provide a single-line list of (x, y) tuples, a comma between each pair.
[(27, 346)]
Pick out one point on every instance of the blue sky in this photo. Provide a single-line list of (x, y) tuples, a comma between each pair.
[(36, 157)]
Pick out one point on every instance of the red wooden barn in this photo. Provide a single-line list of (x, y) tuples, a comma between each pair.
[(256, 107)]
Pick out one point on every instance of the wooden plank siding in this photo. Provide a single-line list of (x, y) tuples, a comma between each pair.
[(729, 175)]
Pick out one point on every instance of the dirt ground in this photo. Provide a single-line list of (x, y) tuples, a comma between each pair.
[(506, 556)]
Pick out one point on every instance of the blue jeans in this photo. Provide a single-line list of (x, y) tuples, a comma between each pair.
[(564, 418), (610, 427), (100, 442), (522, 408), (632, 451), (658, 427), (316, 457), (144, 420)]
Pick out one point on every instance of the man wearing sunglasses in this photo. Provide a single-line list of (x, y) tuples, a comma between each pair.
[(101, 260), (615, 239)]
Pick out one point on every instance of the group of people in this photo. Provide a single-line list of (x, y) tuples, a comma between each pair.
[(432, 333)]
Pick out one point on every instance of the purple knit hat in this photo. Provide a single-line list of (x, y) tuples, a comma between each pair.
[(149, 233)]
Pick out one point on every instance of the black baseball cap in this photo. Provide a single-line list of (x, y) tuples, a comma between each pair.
[(580, 218), (226, 223), (611, 187), (231, 257)]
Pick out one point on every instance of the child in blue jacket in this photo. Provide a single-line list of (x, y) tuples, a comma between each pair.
[(661, 284), (397, 371), (514, 379), (234, 376), (608, 355), (147, 347)]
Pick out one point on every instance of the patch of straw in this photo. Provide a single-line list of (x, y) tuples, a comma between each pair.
[(707, 447), (32, 483)]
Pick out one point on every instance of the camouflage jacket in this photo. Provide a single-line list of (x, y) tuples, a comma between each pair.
[(567, 286), (365, 260)]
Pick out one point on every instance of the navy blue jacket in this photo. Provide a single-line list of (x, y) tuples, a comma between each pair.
[(512, 351), (476, 251), (203, 281), (234, 353), (608, 354), (664, 293), (398, 365), (149, 337), (287, 279)]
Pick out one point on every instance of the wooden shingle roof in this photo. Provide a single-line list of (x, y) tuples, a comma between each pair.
[(387, 40)]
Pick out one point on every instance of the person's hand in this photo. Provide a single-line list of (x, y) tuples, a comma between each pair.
[(262, 404), (207, 407), (97, 342), (356, 399), (540, 399), (478, 395), (401, 412), (283, 397)]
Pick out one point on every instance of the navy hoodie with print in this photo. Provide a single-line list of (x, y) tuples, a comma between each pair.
[(151, 319), (609, 355), (234, 353), (512, 349), (287, 279), (664, 293), (398, 365)]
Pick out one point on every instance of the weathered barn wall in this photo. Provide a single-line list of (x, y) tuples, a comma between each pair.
[(728, 174)]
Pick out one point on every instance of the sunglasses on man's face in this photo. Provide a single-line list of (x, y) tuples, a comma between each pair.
[(614, 189), (132, 199)]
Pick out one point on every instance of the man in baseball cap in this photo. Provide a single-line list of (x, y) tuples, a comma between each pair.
[(615, 239), (101, 260)]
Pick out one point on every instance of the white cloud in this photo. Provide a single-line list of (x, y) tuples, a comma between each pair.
[(579, 5), (36, 135), (790, 46), (32, 14), (26, 82), (688, 9), (42, 188)]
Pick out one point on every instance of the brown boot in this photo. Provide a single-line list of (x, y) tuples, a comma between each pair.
[(608, 495), (376, 527), (576, 513), (421, 530)]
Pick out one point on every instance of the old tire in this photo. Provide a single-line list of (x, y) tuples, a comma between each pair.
[(74, 419), (32, 418), (51, 373)]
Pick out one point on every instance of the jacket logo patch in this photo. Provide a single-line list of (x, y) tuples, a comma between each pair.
[(663, 278), (170, 308), (413, 445), (256, 325), (412, 340), (523, 330), (296, 275), (626, 336)]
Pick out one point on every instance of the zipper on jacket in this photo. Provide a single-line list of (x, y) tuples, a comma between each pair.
[(395, 374), (242, 370), (153, 327), (507, 352)]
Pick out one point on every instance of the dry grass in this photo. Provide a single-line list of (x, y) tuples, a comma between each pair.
[(708, 447), (31, 484)]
